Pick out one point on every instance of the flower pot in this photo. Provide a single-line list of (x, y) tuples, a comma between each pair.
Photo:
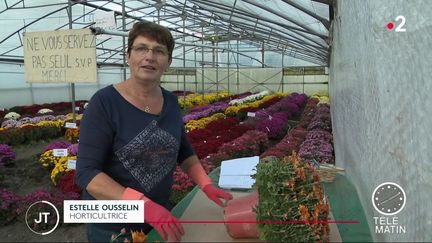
[(239, 210)]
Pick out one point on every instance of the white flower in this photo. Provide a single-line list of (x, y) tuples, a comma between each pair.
[(12, 115), (44, 111)]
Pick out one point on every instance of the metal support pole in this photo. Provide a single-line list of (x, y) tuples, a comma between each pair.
[(217, 70), (282, 79), (303, 80), (184, 59), (202, 62), (72, 85), (262, 55), (195, 58), (238, 71), (229, 45), (124, 38), (195, 64)]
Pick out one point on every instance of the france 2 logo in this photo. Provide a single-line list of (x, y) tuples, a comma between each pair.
[(400, 26)]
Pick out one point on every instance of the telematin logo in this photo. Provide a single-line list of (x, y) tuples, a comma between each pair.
[(388, 199), (42, 217)]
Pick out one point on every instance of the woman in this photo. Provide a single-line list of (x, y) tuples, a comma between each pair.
[(132, 137)]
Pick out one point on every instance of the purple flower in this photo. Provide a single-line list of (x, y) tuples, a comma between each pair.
[(9, 123), (61, 144), (209, 110), (8, 199), (275, 127), (7, 155), (60, 117), (316, 149), (73, 149), (320, 135)]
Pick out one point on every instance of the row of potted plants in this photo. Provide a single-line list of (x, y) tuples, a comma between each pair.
[(318, 145), (273, 120), (32, 110), (196, 99), (28, 130), (198, 112), (233, 110), (295, 137)]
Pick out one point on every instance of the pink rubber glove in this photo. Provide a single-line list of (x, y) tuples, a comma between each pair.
[(215, 194), (163, 221), (157, 216)]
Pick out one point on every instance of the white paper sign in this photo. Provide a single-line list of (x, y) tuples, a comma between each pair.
[(236, 173), (237, 182), (251, 114), (106, 21), (71, 164), (70, 125), (60, 152), (60, 56)]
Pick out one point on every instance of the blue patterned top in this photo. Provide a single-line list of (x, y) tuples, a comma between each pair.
[(137, 149)]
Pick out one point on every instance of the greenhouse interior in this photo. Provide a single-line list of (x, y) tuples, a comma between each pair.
[(249, 120)]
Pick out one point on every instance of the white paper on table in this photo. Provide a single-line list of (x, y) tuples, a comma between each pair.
[(236, 173), (240, 166), (238, 181)]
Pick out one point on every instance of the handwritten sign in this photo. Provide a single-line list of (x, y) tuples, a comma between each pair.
[(60, 152), (60, 56), (71, 164), (106, 21), (70, 125), (251, 114)]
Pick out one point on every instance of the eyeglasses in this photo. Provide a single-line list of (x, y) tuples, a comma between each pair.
[(142, 50)]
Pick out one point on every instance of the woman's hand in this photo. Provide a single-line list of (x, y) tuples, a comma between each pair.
[(215, 194), (162, 221)]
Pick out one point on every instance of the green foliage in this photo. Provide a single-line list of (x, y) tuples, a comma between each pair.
[(177, 196), (26, 135), (290, 197)]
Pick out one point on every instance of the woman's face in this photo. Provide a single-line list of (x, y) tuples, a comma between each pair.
[(148, 60)]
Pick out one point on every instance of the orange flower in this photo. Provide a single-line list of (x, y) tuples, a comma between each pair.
[(295, 159), (315, 175), (316, 213), (290, 184), (317, 191), (301, 174), (72, 134), (302, 192), (138, 236), (304, 213)]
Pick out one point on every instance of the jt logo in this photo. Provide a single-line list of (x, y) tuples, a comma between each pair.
[(40, 217)]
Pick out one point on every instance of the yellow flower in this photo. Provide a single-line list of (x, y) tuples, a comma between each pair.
[(201, 123), (57, 123), (60, 168), (199, 99), (47, 159)]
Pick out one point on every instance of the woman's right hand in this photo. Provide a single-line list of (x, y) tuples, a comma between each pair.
[(162, 221)]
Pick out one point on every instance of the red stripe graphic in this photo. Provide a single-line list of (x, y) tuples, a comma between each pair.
[(256, 222)]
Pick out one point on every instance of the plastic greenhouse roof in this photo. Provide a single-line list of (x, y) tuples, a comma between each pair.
[(296, 28)]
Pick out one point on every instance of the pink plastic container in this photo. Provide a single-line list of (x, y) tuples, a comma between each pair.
[(241, 209)]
